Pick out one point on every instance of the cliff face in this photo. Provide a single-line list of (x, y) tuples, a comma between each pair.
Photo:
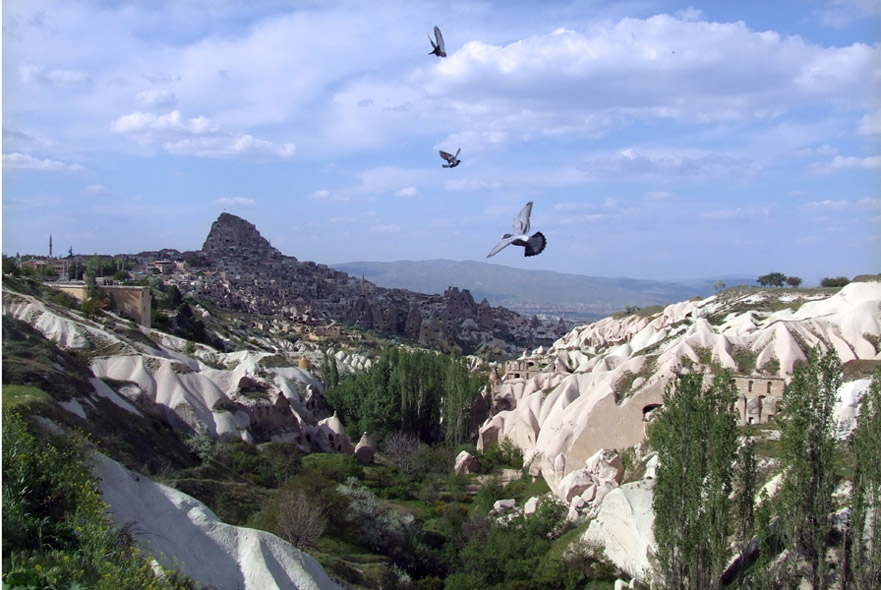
[(233, 237), (248, 275)]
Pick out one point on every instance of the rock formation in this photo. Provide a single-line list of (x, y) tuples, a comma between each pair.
[(597, 387), (246, 274)]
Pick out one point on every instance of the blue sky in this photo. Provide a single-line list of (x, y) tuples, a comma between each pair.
[(657, 139)]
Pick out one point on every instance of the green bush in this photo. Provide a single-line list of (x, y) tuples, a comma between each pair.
[(55, 530)]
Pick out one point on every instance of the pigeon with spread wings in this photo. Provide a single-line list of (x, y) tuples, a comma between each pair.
[(532, 245), (437, 44), (452, 161)]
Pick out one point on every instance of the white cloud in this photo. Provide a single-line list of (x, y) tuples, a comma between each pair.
[(408, 192), (197, 136), (157, 98), (64, 78), (326, 195), (847, 163), (234, 202), (821, 150), (870, 124), (389, 228), (343, 220), (737, 214), (657, 195), (629, 163), (825, 205), (19, 161)]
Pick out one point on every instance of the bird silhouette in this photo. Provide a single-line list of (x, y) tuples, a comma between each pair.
[(452, 161), (437, 44), (533, 245)]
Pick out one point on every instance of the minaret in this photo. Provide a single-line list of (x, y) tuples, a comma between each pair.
[(50, 246)]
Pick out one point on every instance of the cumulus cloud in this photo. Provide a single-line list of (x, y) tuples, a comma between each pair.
[(64, 78), (19, 161), (659, 67), (629, 163), (157, 98), (408, 192), (197, 136), (847, 163), (389, 228), (326, 195), (870, 124), (234, 202), (737, 214), (825, 205)]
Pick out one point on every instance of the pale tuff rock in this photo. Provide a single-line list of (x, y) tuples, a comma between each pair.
[(365, 449), (601, 383), (182, 533), (504, 506), (466, 463), (623, 527)]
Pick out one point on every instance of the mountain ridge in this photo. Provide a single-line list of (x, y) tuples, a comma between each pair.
[(579, 297)]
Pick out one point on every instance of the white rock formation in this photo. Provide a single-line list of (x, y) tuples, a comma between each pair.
[(365, 449), (603, 380), (466, 463), (623, 527), (181, 532)]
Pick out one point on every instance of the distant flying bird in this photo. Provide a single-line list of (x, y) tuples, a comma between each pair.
[(452, 161), (437, 44), (533, 244)]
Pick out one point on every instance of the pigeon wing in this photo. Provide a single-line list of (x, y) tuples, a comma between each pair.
[(506, 241), (447, 156), (535, 244), (521, 222), (440, 42)]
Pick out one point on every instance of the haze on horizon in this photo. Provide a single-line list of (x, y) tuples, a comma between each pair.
[(657, 139)]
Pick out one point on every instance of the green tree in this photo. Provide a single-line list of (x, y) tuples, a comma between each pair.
[(865, 530), (696, 438), (772, 279), (719, 285), (793, 281), (808, 455), (10, 266), (834, 281)]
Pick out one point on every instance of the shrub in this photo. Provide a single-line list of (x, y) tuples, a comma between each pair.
[(55, 530), (301, 518)]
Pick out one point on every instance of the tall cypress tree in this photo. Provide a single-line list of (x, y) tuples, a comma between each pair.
[(807, 453), (695, 435), (865, 527)]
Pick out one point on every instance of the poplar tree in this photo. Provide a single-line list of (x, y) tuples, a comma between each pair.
[(808, 453), (695, 435), (865, 526)]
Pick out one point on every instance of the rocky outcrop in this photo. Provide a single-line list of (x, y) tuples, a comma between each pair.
[(365, 450), (466, 463), (246, 274), (183, 534), (598, 386)]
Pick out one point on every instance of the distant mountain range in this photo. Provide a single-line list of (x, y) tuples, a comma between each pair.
[(575, 297)]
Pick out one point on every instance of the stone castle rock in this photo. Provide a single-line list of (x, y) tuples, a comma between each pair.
[(246, 274)]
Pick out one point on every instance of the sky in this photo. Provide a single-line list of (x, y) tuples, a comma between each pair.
[(657, 139)]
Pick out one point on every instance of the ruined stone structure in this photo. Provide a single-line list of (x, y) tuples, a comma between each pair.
[(132, 302), (758, 398)]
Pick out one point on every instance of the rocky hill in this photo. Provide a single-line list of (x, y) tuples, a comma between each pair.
[(245, 274), (139, 394), (569, 407), (580, 298)]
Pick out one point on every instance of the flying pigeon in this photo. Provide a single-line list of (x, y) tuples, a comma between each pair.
[(437, 44), (533, 244), (452, 161)]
